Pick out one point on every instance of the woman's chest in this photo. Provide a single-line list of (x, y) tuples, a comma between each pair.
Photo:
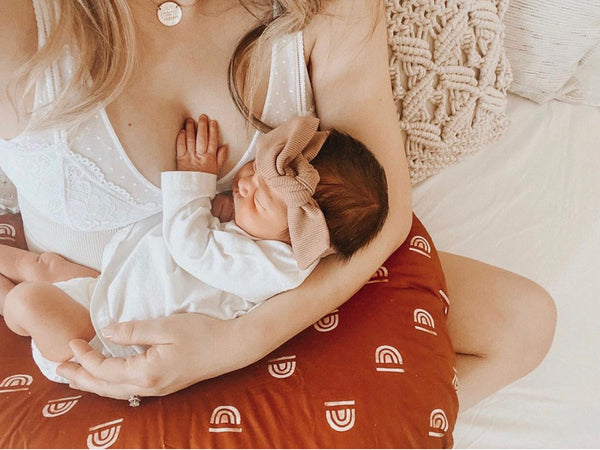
[(146, 121)]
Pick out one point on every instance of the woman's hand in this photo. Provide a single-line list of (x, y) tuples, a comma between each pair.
[(184, 349)]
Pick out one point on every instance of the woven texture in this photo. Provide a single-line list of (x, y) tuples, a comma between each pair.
[(449, 75), (548, 42)]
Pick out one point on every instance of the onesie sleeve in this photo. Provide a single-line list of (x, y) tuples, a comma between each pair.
[(222, 255)]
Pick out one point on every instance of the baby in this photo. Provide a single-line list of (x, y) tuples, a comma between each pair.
[(306, 195)]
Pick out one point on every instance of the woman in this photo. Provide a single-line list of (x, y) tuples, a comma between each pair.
[(180, 71)]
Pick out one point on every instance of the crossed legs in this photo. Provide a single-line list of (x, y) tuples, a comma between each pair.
[(501, 325)]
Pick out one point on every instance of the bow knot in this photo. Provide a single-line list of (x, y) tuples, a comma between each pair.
[(283, 158)]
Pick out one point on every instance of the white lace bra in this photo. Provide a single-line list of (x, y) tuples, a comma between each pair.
[(75, 191)]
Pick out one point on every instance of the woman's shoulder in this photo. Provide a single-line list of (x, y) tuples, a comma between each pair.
[(345, 19), (18, 38), (18, 42)]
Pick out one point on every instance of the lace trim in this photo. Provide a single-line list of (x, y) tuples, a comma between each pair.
[(30, 145), (99, 175)]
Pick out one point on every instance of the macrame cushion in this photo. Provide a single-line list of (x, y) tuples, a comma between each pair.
[(449, 76), (378, 372), (552, 46)]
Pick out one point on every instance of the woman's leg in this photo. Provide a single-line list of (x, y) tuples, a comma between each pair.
[(50, 316), (501, 325)]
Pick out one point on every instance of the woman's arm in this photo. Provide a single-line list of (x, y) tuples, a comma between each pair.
[(347, 50), (18, 42)]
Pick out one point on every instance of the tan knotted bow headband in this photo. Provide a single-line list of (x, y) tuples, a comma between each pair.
[(282, 159)]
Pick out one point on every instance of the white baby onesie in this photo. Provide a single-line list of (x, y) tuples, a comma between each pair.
[(188, 262)]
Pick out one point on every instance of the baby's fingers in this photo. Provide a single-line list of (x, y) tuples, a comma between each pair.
[(213, 137), (190, 136), (222, 152), (202, 136), (180, 144)]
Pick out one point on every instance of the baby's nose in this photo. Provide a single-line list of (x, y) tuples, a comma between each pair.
[(246, 186)]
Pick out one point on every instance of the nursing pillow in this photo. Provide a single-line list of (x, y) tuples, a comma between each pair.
[(376, 372)]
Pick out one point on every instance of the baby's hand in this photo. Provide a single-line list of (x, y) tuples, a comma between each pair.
[(222, 207), (198, 150)]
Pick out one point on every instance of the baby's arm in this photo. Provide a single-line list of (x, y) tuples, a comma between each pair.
[(218, 255), (17, 265), (49, 316)]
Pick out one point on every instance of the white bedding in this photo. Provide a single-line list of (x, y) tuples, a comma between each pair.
[(530, 203)]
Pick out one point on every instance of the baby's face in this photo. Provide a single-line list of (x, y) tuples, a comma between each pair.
[(259, 210)]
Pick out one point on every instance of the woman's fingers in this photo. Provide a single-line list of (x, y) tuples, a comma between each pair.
[(138, 332)]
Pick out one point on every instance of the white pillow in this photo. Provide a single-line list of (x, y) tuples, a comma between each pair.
[(450, 75), (547, 43)]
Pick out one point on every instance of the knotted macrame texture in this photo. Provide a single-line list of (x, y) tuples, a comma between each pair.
[(449, 76)]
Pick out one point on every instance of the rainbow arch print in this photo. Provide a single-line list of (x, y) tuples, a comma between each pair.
[(282, 367), (438, 423), (225, 418), (420, 245), (424, 321), (341, 416), (445, 301), (7, 232), (455, 379), (388, 359), (328, 322), (60, 406), (104, 435), (380, 276), (15, 383)]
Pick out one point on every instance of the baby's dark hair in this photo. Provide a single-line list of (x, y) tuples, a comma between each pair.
[(352, 192)]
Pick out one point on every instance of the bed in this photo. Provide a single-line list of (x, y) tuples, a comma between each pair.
[(532, 205), (526, 198)]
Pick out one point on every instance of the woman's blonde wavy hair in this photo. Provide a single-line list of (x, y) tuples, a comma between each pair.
[(100, 35)]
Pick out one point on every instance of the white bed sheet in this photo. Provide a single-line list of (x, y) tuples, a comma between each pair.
[(530, 203)]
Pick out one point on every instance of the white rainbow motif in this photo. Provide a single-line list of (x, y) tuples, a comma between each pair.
[(455, 379), (438, 423), (424, 321), (380, 276), (225, 418), (7, 232), (14, 383), (340, 416), (328, 323), (104, 435), (282, 367), (60, 406), (445, 301), (388, 359), (420, 245)]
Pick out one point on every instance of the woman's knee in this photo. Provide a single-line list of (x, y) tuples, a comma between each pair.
[(538, 322), (526, 330)]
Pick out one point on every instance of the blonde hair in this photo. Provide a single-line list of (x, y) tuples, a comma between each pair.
[(100, 37)]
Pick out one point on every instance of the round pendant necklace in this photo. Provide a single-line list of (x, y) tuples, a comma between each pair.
[(169, 13)]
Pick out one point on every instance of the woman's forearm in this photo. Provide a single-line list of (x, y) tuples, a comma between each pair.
[(331, 284)]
